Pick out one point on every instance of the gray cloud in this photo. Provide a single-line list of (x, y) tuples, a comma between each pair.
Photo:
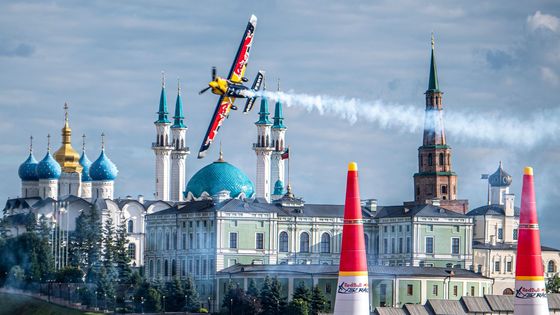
[(19, 50)]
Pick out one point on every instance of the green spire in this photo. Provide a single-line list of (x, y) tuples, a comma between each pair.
[(162, 112), (433, 85), (178, 118), (278, 115), (263, 113)]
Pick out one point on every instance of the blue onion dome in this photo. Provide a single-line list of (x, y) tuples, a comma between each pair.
[(220, 176), (500, 178), (86, 164), (103, 168), (278, 188), (28, 169), (48, 168)]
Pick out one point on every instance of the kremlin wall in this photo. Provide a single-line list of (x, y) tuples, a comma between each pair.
[(220, 226)]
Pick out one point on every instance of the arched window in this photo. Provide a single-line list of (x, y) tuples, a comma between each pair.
[(132, 251), (166, 140), (325, 243), (151, 268), (507, 291), (366, 241), (267, 141), (441, 162), (167, 240), (304, 243), (173, 268), (161, 140), (551, 266), (283, 242), (430, 159), (130, 226), (166, 268), (158, 268)]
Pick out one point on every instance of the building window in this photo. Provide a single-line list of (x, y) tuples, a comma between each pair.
[(515, 234), (191, 240), (173, 268), (509, 266), (166, 268), (197, 267), (409, 290), (183, 268), (328, 288), (393, 245), (401, 244), (158, 268), (429, 245), (497, 266), (417, 190), (232, 240), (130, 226), (151, 269), (132, 251), (435, 289), (457, 228), (408, 244), (400, 228), (392, 229), (441, 162), (385, 229), (455, 290), (366, 242), (184, 241), (304, 243), (479, 268), (500, 233), (430, 227), (259, 241), (472, 291), (551, 267), (430, 159), (204, 266), (167, 240), (385, 246), (326, 243), (283, 242), (408, 228), (382, 295), (444, 189), (455, 246), (190, 224)]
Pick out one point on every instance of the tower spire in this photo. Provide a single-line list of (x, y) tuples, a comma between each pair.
[(278, 114), (102, 141), (49, 143), (31, 144), (433, 84), (162, 112), (84, 142), (179, 116)]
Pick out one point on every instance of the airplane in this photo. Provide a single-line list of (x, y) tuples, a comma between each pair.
[(232, 87)]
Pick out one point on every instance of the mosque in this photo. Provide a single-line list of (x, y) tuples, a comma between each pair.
[(221, 226)]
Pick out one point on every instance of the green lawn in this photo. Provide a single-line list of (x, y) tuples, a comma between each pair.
[(13, 304)]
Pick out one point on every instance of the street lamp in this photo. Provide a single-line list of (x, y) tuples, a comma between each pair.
[(164, 304), (209, 305), (230, 306), (142, 303)]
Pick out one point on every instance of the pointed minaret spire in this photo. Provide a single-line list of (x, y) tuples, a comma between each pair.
[(102, 141), (162, 112), (278, 114), (31, 144), (221, 157), (84, 142), (433, 84), (179, 116), (263, 112), (49, 143)]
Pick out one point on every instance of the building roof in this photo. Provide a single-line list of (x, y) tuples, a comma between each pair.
[(48, 168), (220, 176), (492, 210), (553, 301), (446, 307), (86, 164), (28, 169), (179, 116), (263, 113), (500, 303), (500, 178), (389, 271), (433, 84), (162, 111), (416, 309), (103, 168), (415, 211), (476, 304), (507, 246), (389, 311)]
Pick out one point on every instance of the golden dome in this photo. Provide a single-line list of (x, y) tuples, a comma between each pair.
[(66, 156)]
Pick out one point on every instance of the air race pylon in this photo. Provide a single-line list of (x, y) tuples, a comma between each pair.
[(352, 294), (530, 291)]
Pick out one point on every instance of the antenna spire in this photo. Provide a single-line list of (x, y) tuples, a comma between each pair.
[(48, 143), (102, 141), (178, 86), (84, 142), (433, 41), (163, 79), (278, 85), (66, 112)]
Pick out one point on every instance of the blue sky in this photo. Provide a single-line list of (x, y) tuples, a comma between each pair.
[(496, 61)]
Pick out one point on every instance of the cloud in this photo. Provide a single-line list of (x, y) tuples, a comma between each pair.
[(19, 50), (544, 21), (548, 75), (498, 59)]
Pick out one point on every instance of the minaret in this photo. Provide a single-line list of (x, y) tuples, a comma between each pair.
[(180, 150), (48, 171), (278, 144), (69, 160), (86, 164), (435, 178), (263, 149), (28, 174), (162, 147)]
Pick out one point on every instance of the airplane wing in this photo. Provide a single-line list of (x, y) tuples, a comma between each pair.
[(239, 65), (222, 111)]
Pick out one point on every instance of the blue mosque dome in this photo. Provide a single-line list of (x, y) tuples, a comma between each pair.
[(278, 188), (86, 164), (103, 168), (219, 176), (48, 168), (28, 169)]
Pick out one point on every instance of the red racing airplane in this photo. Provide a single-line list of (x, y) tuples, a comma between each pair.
[(231, 88)]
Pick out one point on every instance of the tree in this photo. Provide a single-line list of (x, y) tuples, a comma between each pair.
[(553, 284), (236, 301), (121, 253), (253, 291), (303, 293), (298, 307), (271, 297), (192, 300), (105, 287), (175, 296), (151, 297), (319, 302), (69, 275)]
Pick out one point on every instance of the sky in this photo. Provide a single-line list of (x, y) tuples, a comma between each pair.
[(498, 66)]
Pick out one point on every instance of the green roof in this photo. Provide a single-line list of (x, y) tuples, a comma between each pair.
[(162, 112), (278, 116), (433, 84), (178, 118), (263, 113)]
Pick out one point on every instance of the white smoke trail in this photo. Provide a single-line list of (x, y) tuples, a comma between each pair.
[(489, 127)]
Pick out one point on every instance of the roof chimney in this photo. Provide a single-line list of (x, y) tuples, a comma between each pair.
[(370, 204)]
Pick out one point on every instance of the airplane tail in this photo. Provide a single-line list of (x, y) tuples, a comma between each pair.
[(256, 87)]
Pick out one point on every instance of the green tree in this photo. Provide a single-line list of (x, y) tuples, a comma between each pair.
[(236, 301), (298, 307), (553, 284), (303, 293), (192, 301), (319, 302), (105, 287), (253, 290), (69, 275), (121, 253), (150, 295), (271, 297), (174, 296)]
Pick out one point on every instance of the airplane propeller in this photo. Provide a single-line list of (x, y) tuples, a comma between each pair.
[(213, 78)]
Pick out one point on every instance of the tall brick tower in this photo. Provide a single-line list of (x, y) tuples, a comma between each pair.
[(435, 179)]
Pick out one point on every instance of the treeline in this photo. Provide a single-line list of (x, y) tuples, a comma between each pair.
[(97, 257), (270, 301)]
